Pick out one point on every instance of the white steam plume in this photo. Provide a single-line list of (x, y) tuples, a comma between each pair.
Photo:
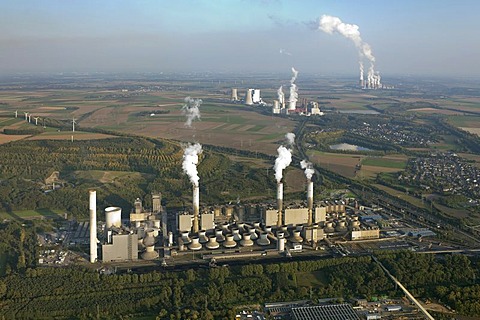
[(283, 160), (190, 161), (285, 52), (331, 25), (292, 101), (191, 109), (290, 138), (281, 96), (308, 166)]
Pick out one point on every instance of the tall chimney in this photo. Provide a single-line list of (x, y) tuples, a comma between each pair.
[(93, 225), (279, 203), (310, 201), (196, 207)]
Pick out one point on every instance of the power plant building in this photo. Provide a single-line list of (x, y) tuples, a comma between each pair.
[(185, 222), (120, 247), (207, 221), (296, 216)]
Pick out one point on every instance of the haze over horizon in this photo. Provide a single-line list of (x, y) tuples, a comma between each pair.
[(409, 37)]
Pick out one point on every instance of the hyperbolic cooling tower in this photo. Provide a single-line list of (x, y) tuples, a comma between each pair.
[(279, 203), (248, 97), (93, 225), (234, 94), (113, 217)]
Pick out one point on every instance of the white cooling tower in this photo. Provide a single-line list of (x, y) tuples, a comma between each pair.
[(248, 97), (246, 241), (212, 243), (113, 217), (236, 234), (202, 235), (219, 235), (195, 245), (279, 203), (93, 225), (256, 96), (229, 242), (196, 207), (263, 241), (234, 94)]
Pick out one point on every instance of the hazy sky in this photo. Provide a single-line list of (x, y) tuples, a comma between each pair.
[(419, 37)]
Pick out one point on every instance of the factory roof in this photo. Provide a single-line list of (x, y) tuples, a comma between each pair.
[(342, 311)]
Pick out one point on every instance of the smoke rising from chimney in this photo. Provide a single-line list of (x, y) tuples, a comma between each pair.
[(292, 102), (290, 137), (191, 109), (281, 96), (283, 160), (190, 161), (308, 166), (330, 25)]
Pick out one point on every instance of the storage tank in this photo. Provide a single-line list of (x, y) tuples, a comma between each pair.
[(229, 242), (246, 241), (263, 241), (113, 217), (212, 243)]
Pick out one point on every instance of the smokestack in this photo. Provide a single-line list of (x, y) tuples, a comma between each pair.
[(196, 207), (248, 97), (93, 225), (279, 203), (310, 201), (234, 94)]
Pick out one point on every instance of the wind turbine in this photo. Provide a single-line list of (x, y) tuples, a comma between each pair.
[(73, 124), (36, 120), (16, 113), (29, 118), (44, 123), (26, 116)]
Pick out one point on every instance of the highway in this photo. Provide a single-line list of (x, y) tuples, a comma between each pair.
[(407, 293)]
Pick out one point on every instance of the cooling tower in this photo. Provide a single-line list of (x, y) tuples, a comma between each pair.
[(246, 241), (263, 241), (150, 253), (236, 234), (229, 243), (185, 238), (276, 104), (310, 201), (253, 234), (234, 94), (196, 207), (195, 245), (219, 235), (212, 243), (202, 235), (296, 237), (279, 203), (248, 97), (93, 225), (113, 217)]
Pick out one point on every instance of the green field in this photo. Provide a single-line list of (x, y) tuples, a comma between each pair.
[(31, 214), (309, 279), (385, 163)]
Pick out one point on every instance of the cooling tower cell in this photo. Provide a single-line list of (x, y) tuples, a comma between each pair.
[(236, 234), (219, 235), (202, 235), (150, 253), (296, 237), (185, 238), (246, 241)]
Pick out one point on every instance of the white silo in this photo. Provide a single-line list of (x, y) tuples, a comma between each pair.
[(93, 225), (280, 242), (113, 217)]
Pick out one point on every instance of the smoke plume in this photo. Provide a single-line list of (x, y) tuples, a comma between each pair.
[(190, 161), (285, 52), (283, 160), (308, 166), (191, 109), (281, 96), (292, 102), (290, 137), (332, 25)]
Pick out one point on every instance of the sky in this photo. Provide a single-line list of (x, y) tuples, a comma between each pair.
[(408, 37)]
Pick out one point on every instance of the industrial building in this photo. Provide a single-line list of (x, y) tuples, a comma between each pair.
[(342, 311)]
